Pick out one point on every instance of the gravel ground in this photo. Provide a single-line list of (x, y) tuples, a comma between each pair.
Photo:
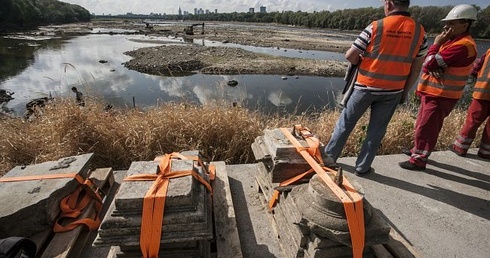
[(178, 59), (188, 58)]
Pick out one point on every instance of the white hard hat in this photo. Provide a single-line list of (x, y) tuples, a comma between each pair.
[(461, 12)]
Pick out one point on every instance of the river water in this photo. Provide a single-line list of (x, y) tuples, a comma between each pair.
[(39, 67)]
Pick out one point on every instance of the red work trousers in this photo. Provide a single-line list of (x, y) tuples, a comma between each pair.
[(432, 112), (477, 113)]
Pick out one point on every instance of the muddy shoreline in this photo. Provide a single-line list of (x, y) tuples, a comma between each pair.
[(192, 58)]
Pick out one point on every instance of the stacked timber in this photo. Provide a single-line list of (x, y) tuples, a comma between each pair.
[(35, 203), (187, 227), (309, 218)]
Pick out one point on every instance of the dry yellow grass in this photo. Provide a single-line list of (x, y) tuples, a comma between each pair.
[(220, 132)]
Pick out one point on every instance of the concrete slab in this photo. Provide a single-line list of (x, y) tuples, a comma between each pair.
[(443, 211), (257, 237)]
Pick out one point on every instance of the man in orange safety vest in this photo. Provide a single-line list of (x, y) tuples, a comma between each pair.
[(444, 74), (478, 111), (392, 50)]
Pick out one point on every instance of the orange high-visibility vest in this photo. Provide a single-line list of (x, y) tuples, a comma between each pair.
[(482, 85), (395, 41), (454, 79)]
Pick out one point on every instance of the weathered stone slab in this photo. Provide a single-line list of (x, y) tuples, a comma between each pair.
[(336, 252), (225, 223), (182, 250), (120, 224), (35, 203), (180, 191), (188, 211), (290, 238), (294, 229), (279, 146), (331, 223), (318, 242), (279, 155)]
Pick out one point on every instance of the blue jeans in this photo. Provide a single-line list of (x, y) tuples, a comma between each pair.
[(382, 109)]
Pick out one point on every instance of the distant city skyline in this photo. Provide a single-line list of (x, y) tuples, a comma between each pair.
[(116, 7)]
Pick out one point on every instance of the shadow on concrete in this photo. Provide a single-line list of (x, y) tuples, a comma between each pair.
[(393, 226), (470, 204), (248, 240), (485, 185)]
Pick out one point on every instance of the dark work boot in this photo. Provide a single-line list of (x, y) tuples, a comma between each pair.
[(452, 149), (410, 166)]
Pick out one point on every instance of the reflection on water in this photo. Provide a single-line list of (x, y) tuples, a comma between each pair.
[(54, 66), (34, 68)]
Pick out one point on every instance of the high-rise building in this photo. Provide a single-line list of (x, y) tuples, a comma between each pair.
[(180, 11), (251, 10), (262, 9)]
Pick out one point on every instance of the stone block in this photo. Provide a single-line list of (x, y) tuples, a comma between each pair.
[(279, 155), (323, 214), (35, 203), (188, 211)]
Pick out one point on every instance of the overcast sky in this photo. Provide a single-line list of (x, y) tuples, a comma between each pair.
[(227, 6)]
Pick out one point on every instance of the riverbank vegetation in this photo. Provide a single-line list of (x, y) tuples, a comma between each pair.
[(221, 132), (346, 19), (24, 14)]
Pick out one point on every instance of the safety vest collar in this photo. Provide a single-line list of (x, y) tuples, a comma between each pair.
[(404, 13), (458, 37)]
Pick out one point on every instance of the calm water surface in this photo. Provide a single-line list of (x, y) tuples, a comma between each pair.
[(35, 68)]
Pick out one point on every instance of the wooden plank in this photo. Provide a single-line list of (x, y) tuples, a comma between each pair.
[(227, 238), (70, 243)]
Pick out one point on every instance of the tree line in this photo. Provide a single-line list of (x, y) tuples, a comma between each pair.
[(349, 19), (31, 13), (25, 14)]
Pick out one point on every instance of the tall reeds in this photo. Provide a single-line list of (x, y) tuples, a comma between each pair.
[(221, 132)]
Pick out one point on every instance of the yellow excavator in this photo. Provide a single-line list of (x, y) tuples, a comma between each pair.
[(189, 30)]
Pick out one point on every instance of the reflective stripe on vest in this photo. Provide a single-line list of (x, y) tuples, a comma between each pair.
[(482, 85), (453, 81), (399, 38)]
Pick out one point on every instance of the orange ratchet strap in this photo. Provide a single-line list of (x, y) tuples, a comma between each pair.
[(72, 205), (351, 199), (154, 200)]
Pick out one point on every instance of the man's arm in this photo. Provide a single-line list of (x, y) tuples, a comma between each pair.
[(353, 55), (412, 77)]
